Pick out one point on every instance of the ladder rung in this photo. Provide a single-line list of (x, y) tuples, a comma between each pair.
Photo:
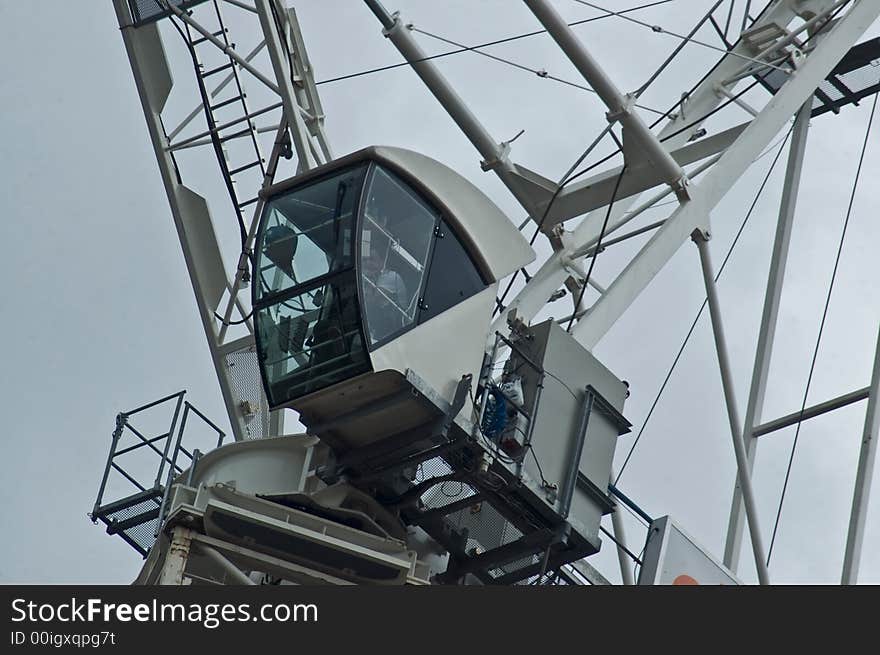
[(235, 135), (205, 38), (248, 202), (219, 69), (226, 102), (245, 167)]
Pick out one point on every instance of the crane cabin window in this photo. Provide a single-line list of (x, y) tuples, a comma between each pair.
[(453, 276), (311, 340), (306, 233), (346, 263), (397, 230), (307, 318)]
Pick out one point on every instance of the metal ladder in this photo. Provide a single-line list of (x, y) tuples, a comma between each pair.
[(240, 126)]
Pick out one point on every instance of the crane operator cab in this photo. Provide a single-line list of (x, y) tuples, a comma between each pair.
[(375, 280), (375, 274)]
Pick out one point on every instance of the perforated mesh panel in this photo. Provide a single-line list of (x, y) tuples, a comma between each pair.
[(444, 493), (142, 534), (549, 578), (247, 386), (146, 11), (856, 81), (432, 468), (516, 565), (486, 528)]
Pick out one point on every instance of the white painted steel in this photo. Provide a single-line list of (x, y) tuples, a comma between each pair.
[(646, 143), (694, 214), (150, 69), (864, 477), (677, 133), (732, 411), (767, 331), (500, 244)]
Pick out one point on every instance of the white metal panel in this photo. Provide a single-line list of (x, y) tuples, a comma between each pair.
[(443, 349), (154, 65), (672, 557), (694, 214), (204, 250), (261, 466)]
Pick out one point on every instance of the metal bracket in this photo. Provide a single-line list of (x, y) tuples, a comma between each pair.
[(458, 400)]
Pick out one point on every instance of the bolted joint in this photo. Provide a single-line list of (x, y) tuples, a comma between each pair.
[(616, 116), (501, 159), (700, 236), (682, 188), (243, 269), (557, 237), (557, 295), (389, 30), (121, 422)]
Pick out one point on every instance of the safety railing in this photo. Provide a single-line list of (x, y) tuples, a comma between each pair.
[(137, 517)]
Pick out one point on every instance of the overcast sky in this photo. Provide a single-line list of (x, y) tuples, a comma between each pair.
[(99, 315)]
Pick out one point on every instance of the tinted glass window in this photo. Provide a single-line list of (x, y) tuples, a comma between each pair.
[(311, 340), (396, 233), (307, 232), (452, 278)]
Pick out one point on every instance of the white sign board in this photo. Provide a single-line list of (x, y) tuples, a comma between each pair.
[(672, 557)]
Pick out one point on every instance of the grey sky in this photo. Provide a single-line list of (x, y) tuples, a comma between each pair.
[(99, 315)]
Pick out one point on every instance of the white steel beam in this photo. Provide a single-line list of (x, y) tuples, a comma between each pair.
[(304, 81), (739, 450), (683, 125), (563, 262), (620, 107), (623, 560), (864, 476), (694, 214), (808, 413), (153, 82), (587, 245), (495, 155), (593, 193), (281, 65), (767, 331), (236, 574)]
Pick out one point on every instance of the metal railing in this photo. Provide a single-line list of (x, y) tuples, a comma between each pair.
[(132, 515)]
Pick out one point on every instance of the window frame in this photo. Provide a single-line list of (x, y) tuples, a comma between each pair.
[(274, 403), (284, 295), (444, 221), (419, 295), (446, 224)]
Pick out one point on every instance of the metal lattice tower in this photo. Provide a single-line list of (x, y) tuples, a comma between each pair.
[(801, 53)]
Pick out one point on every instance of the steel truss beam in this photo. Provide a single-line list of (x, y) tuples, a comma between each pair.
[(291, 78), (864, 477), (771, 43), (811, 68), (694, 214), (767, 331), (742, 464), (812, 412)]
